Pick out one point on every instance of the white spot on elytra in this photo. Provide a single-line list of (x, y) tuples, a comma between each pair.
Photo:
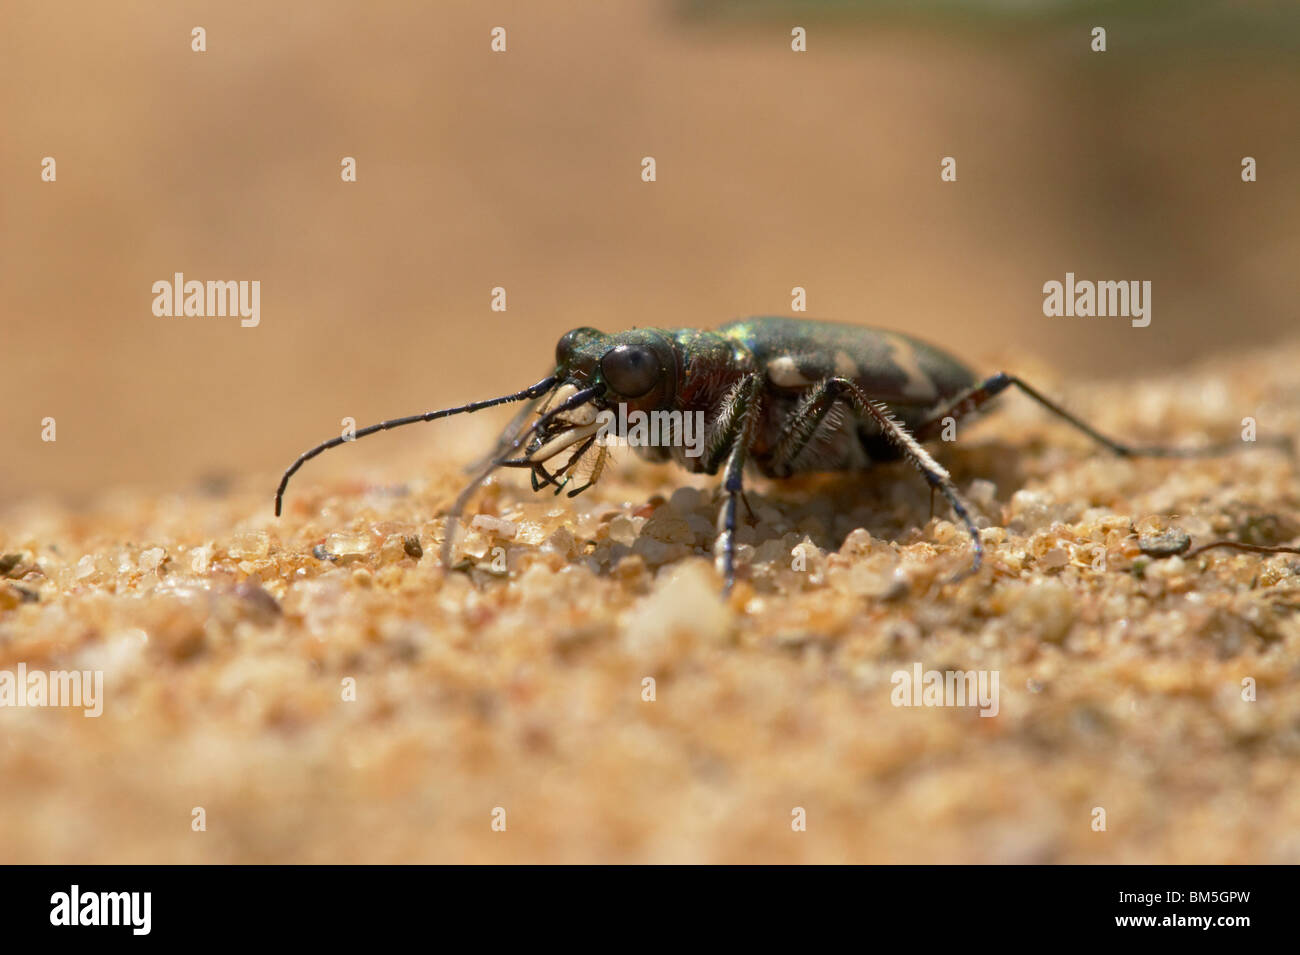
[(918, 384), (784, 372), (845, 367)]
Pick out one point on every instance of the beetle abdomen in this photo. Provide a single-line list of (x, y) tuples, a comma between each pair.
[(911, 377), (889, 366)]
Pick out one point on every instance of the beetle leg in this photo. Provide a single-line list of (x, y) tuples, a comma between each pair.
[(968, 403), (833, 389), (803, 425), (972, 400), (567, 471), (595, 472), (741, 429)]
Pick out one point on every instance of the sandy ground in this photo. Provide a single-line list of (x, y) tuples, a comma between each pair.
[(232, 644)]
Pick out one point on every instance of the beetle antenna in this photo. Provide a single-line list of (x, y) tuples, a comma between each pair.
[(532, 392), (457, 508)]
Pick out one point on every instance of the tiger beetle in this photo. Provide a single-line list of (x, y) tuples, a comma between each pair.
[(781, 396)]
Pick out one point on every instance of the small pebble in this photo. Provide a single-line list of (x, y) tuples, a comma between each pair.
[(342, 544), (151, 559), (1171, 542), (252, 544), (505, 530)]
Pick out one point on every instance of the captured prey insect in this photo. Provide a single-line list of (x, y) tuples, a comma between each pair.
[(781, 396)]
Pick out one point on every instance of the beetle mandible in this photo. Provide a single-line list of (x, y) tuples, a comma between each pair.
[(780, 396)]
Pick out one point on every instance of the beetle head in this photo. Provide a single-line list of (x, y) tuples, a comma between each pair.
[(637, 369)]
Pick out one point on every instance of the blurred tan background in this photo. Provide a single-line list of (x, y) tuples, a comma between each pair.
[(522, 170)]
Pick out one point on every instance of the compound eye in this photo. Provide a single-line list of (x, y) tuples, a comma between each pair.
[(566, 346), (631, 370)]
